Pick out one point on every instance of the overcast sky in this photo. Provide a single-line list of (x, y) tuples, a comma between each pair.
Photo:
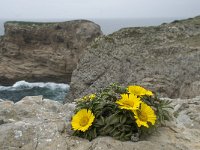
[(61, 9)]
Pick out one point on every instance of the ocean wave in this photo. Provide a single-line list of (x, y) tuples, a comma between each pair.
[(50, 90), (27, 85)]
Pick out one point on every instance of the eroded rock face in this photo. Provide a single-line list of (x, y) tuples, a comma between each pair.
[(43, 51), (164, 59), (35, 123)]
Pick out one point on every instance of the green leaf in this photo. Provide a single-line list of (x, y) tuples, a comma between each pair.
[(97, 113), (93, 133), (127, 138), (98, 107), (128, 135), (108, 129), (113, 119), (131, 115), (116, 133), (100, 121), (127, 128), (122, 119), (113, 130), (118, 125), (122, 136)]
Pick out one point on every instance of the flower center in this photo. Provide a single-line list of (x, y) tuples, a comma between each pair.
[(128, 103), (142, 116), (84, 121)]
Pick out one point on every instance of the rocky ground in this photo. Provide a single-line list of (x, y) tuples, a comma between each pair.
[(43, 51), (35, 123), (163, 58)]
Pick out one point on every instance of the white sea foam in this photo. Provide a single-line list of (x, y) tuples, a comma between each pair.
[(2, 88), (23, 84)]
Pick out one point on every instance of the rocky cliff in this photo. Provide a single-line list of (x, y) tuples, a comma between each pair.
[(43, 51), (164, 59), (35, 123)]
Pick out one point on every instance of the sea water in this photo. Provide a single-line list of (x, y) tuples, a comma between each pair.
[(49, 90)]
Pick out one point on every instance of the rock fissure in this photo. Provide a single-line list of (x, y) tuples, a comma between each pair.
[(36, 145)]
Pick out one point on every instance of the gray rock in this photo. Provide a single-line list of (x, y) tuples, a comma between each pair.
[(164, 59), (35, 123), (43, 51)]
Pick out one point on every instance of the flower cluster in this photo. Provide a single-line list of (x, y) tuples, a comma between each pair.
[(119, 112)]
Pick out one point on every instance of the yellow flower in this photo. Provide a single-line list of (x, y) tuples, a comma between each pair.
[(82, 120), (144, 114), (89, 97), (139, 91), (129, 102), (84, 98), (92, 96)]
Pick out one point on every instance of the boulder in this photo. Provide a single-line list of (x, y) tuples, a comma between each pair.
[(164, 59), (34, 51), (35, 123)]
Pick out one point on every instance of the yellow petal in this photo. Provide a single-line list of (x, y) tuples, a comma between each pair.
[(144, 115), (82, 120)]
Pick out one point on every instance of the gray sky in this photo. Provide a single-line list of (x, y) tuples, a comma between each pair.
[(48, 9)]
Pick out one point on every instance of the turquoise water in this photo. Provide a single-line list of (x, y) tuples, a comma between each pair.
[(54, 91)]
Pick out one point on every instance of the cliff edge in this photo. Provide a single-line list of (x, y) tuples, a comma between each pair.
[(34, 51), (164, 59)]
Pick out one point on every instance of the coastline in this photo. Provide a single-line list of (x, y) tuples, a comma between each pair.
[(108, 26)]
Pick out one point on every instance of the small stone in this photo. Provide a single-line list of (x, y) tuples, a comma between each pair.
[(135, 137)]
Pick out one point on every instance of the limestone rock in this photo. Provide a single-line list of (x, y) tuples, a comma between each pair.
[(43, 51), (164, 59), (35, 123)]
